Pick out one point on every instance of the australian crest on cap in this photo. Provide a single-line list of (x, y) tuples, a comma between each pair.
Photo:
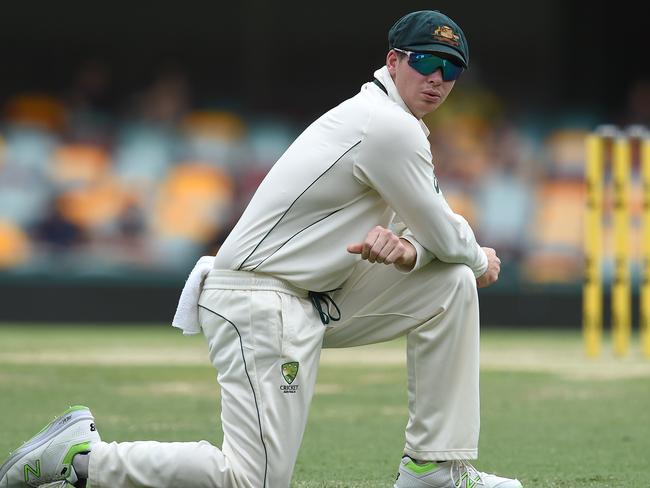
[(444, 33)]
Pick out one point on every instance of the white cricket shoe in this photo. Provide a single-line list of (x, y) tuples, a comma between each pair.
[(447, 474), (47, 457)]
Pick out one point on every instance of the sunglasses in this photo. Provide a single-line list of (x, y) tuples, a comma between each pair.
[(427, 63)]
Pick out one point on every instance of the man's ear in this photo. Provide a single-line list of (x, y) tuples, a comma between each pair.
[(391, 62)]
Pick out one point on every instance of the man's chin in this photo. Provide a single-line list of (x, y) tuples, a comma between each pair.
[(428, 108)]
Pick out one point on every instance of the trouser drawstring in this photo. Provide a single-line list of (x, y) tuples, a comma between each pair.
[(318, 299)]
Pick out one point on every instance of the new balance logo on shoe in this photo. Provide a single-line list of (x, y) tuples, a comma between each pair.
[(36, 471)]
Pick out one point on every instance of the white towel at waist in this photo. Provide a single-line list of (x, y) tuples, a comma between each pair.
[(186, 317)]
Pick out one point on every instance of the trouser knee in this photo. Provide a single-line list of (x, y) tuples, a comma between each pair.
[(458, 279)]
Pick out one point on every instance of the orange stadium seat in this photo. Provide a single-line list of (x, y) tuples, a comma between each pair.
[(459, 148), (214, 123), (565, 151), (560, 214), (92, 206), (193, 202), (14, 245), (462, 204), (557, 232), (80, 163), (38, 110)]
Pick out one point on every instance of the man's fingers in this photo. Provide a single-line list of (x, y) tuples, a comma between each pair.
[(395, 254), (376, 249), (370, 242), (393, 247), (380, 246)]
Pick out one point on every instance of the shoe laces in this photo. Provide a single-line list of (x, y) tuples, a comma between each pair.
[(460, 470)]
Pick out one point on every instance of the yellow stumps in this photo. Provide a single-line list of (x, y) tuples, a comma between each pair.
[(621, 287), (592, 302), (645, 250), (617, 160)]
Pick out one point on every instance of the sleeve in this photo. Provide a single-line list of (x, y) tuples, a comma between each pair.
[(424, 257), (395, 160)]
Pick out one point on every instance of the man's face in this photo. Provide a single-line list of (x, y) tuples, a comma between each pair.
[(421, 94)]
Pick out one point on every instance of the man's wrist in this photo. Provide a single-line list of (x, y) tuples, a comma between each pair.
[(407, 262)]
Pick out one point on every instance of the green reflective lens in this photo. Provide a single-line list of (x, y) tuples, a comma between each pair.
[(426, 63)]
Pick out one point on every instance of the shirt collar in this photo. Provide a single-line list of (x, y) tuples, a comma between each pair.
[(386, 79)]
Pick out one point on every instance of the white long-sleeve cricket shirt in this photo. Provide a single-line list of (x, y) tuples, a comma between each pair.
[(355, 167)]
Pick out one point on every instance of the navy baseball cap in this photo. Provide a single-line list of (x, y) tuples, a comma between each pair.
[(429, 31)]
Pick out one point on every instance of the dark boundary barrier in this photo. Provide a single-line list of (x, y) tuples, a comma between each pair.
[(137, 302), (69, 303)]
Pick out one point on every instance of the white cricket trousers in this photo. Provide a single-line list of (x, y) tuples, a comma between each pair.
[(265, 338)]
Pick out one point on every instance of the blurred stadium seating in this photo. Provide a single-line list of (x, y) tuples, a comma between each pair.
[(151, 191), (157, 188)]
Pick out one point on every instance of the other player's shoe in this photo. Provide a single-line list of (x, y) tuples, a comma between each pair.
[(447, 474), (47, 457)]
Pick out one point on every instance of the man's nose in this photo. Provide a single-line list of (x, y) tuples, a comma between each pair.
[(436, 77)]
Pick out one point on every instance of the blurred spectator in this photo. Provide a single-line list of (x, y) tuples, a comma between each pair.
[(142, 156), (637, 108), (214, 136), (24, 192), (165, 101), (55, 231), (504, 200), (28, 147), (88, 105)]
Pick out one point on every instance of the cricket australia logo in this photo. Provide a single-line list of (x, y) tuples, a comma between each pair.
[(446, 34), (289, 373)]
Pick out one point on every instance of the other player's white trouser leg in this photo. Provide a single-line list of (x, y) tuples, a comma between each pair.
[(253, 329), (437, 308)]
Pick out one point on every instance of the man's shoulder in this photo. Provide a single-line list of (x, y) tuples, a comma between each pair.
[(392, 124)]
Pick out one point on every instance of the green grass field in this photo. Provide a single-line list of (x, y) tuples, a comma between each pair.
[(549, 416)]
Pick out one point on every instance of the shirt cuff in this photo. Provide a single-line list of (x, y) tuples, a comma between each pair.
[(483, 263), (423, 256)]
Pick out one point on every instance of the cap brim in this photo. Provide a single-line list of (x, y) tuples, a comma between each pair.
[(438, 48)]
